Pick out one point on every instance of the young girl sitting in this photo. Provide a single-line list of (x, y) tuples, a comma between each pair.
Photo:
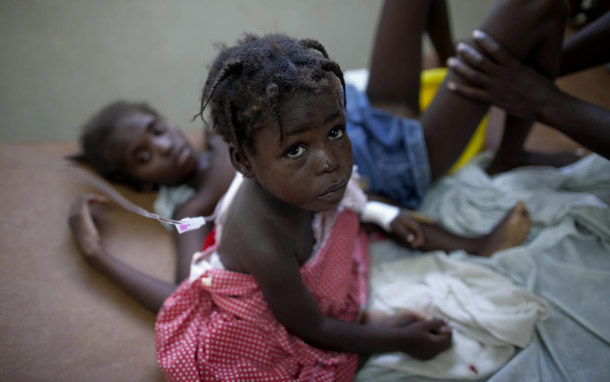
[(287, 274)]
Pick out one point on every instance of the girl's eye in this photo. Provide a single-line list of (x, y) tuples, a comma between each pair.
[(336, 133), (295, 151), (156, 128), (143, 157)]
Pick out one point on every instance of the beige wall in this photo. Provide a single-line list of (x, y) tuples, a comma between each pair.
[(64, 59)]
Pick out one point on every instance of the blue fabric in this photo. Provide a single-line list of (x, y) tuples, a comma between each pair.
[(390, 151)]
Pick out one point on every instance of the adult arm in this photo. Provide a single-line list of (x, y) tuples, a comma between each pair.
[(147, 290), (495, 77)]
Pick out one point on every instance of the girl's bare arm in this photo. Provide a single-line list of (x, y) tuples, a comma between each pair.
[(278, 276)]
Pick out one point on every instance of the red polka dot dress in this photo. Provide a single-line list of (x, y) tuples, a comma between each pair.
[(218, 326)]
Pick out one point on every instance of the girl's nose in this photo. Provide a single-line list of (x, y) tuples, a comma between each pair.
[(328, 162), (163, 144)]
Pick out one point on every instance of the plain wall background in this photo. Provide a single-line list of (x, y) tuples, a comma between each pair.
[(62, 60)]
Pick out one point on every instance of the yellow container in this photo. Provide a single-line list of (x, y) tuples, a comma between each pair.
[(431, 79)]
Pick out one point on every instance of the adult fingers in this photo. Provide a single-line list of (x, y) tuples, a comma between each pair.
[(468, 73), (475, 59), (471, 92), (491, 47)]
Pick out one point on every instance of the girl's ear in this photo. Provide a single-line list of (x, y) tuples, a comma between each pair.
[(240, 161)]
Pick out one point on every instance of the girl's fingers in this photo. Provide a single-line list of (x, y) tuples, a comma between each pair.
[(439, 327), (467, 73)]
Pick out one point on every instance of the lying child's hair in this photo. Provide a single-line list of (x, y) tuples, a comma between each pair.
[(253, 77), (99, 147)]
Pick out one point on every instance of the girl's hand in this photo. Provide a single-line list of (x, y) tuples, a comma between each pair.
[(495, 77), (406, 230), (425, 336), (426, 339), (83, 227)]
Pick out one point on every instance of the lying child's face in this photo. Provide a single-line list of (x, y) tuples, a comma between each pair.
[(311, 167), (157, 153)]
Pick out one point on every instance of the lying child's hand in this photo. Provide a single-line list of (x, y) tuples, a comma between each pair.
[(406, 230), (83, 227)]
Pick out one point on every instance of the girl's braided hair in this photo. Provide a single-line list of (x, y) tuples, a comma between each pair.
[(254, 76)]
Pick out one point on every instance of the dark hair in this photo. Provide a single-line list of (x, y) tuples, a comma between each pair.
[(254, 76), (99, 148)]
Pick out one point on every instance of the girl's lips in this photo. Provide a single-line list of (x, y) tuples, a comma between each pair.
[(334, 192)]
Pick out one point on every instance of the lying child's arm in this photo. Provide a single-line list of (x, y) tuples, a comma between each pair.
[(394, 221), (212, 186), (147, 290), (201, 204)]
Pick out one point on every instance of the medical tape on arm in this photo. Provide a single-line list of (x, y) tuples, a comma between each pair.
[(379, 213)]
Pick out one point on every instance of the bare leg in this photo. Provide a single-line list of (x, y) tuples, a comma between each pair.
[(450, 120), (530, 30), (582, 50), (512, 153), (396, 63), (439, 30), (394, 82), (510, 232), (579, 52)]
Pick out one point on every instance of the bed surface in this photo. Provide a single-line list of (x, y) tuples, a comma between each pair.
[(60, 319)]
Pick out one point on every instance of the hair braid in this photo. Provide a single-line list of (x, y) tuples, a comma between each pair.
[(229, 116), (331, 66), (313, 44), (273, 97), (231, 67)]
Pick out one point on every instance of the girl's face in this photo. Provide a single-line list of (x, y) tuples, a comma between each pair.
[(310, 169), (157, 153)]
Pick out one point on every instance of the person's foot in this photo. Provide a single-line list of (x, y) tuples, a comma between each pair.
[(526, 158), (510, 232)]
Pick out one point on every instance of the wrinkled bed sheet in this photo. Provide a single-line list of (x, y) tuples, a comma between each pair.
[(565, 261)]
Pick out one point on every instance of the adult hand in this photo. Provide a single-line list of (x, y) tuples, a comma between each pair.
[(406, 230), (495, 77), (83, 227)]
